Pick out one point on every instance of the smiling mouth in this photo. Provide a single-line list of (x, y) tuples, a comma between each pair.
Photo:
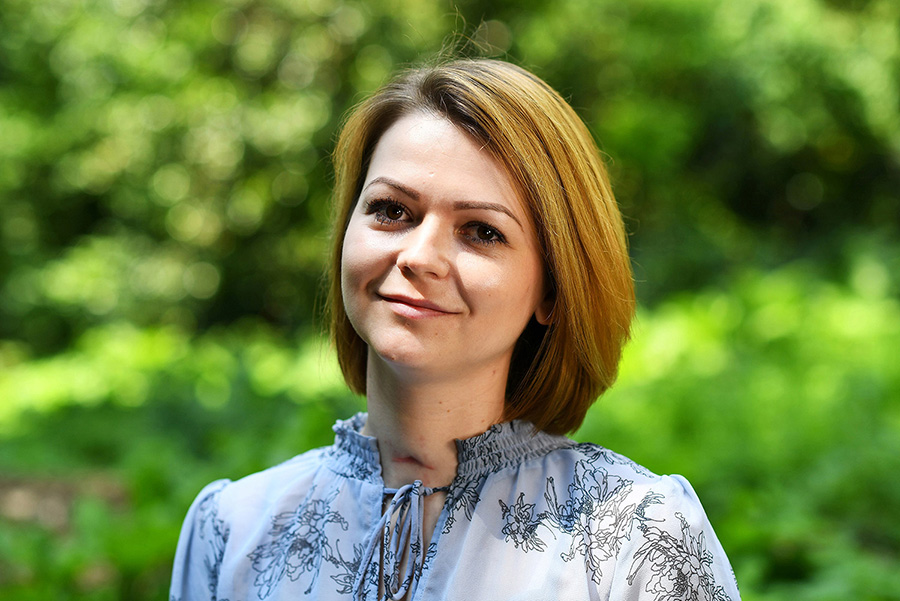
[(414, 308)]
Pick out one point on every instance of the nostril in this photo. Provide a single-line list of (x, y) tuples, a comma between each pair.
[(423, 258)]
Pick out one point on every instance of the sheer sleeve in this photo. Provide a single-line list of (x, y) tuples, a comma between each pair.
[(201, 547), (672, 551)]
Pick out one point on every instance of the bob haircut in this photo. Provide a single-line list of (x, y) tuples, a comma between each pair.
[(558, 370)]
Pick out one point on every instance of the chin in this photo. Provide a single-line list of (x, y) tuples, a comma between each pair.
[(400, 351)]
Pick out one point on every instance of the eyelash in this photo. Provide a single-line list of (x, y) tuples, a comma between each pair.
[(377, 209)]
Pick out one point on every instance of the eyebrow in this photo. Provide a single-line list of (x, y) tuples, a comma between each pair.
[(460, 205), (463, 205), (394, 184)]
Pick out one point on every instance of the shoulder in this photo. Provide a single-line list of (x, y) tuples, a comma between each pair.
[(667, 545), (673, 547), (601, 475), (228, 499), (584, 463), (652, 526), (228, 516), (602, 458), (592, 470)]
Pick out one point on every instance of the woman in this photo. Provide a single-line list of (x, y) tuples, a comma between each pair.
[(480, 296)]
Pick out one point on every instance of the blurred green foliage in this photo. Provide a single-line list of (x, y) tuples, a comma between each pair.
[(164, 195)]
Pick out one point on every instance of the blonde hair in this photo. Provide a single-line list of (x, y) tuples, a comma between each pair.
[(559, 370)]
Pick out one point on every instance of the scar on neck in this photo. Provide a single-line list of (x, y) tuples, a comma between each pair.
[(410, 460)]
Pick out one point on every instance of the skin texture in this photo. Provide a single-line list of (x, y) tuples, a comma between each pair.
[(441, 272)]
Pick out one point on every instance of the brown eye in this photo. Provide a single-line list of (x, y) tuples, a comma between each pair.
[(386, 212), (393, 212), (485, 233)]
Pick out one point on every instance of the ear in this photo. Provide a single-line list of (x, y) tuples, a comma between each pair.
[(544, 311)]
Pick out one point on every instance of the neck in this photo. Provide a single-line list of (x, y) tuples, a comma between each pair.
[(417, 420)]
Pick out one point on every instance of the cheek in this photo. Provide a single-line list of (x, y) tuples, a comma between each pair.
[(353, 251), (506, 291), (352, 264), (349, 266), (363, 262)]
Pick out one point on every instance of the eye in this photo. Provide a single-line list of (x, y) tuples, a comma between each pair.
[(485, 232), (393, 212), (482, 233), (385, 211)]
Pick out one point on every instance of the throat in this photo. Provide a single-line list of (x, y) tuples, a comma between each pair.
[(411, 461), (404, 469)]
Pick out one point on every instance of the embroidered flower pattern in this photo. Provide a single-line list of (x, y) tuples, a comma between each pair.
[(584, 513), (680, 568), (598, 516), (298, 545), (213, 530), (462, 497), (491, 452), (594, 453), (595, 515), (344, 579), (520, 526)]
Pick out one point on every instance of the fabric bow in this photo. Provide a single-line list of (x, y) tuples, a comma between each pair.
[(401, 528)]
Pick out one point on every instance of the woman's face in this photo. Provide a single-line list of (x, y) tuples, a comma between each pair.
[(441, 269)]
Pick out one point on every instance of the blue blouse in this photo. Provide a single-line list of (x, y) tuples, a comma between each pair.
[(529, 516)]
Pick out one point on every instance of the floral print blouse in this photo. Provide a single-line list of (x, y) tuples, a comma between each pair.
[(529, 516)]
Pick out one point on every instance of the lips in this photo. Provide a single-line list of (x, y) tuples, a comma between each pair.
[(414, 307)]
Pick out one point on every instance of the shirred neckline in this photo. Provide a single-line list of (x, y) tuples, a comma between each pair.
[(501, 445)]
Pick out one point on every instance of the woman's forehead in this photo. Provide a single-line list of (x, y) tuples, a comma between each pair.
[(424, 151)]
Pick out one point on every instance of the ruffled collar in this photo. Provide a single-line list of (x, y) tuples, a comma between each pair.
[(355, 455), (500, 446)]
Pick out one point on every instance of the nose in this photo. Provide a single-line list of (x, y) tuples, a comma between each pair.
[(424, 251)]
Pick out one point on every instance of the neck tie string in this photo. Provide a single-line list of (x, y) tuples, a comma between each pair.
[(402, 538)]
